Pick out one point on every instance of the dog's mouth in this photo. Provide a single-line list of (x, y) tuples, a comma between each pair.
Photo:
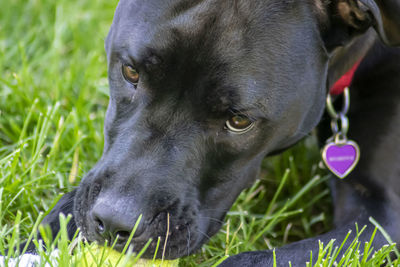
[(176, 241), (175, 232)]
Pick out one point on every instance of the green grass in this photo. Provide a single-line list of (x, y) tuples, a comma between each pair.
[(53, 96)]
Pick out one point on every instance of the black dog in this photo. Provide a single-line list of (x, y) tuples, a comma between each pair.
[(203, 90)]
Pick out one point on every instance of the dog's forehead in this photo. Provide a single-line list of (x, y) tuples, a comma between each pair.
[(227, 23), (239, 43), (158, 24)]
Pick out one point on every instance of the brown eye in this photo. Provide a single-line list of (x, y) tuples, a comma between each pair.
[(239, 124), (130, 74)]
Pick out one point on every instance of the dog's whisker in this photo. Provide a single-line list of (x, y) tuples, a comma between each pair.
[(188, 241), (204, 234), (212, 219), (218, 210)]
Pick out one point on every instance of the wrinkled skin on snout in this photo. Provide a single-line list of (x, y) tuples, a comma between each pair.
[(168, 154)]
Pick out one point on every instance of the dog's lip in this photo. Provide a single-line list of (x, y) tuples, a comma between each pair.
[(165, 210)]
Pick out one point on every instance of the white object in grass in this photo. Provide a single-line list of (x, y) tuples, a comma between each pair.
[(29, 260)]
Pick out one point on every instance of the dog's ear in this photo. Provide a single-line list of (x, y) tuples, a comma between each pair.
[(349, 18)]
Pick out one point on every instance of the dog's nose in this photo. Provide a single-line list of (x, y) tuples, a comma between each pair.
[(111, 224)]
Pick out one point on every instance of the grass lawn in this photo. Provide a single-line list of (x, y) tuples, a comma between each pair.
[(53, 97)]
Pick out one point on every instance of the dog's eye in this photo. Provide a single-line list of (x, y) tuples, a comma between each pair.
[(239, 124), (130, 74)]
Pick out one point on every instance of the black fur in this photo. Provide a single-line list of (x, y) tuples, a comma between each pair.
[(167, 152)]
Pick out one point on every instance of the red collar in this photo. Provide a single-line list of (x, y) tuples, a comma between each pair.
[(344, 81)]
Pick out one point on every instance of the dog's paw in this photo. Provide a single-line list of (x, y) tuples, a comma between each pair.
[(251, 259)]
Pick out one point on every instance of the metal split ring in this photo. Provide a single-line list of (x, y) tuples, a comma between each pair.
[(346, 105), (344, 125)]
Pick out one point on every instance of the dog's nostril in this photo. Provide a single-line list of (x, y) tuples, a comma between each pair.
[(100, 226)]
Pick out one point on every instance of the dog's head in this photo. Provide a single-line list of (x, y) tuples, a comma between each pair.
[(200, 92)]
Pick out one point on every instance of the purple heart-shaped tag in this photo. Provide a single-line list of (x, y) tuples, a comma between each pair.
[(341, 159)]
